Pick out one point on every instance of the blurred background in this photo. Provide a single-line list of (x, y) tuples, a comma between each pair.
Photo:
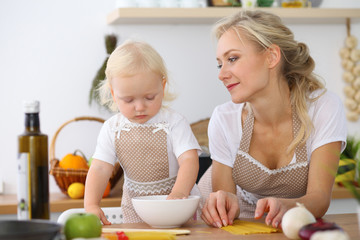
[(51, 51)]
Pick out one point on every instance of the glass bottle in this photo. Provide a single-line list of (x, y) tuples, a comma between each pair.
[(33, 167)]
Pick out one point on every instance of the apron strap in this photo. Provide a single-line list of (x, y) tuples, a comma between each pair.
[(300, 151), (247, 130)]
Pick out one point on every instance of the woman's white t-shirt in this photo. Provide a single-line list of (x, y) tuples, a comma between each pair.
[(326, 113)]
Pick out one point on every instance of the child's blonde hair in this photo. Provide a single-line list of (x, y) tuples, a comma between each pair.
[(129, 59)]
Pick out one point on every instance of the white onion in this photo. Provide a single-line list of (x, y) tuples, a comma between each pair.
[(348, 77), (351, 42), (348, 64), (357, 98), (294, 219), (330, 235), (352, 116), (344, 53), (355, 55), (349, 91), (355, 70), (356, 83), (350, 104)]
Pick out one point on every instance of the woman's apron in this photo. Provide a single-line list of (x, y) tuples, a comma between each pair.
[(254, 181), (142, 153)]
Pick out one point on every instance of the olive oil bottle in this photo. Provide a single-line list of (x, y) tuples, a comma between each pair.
[(33, 167)]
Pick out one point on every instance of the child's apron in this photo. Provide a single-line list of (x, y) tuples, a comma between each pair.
[(142, 153)]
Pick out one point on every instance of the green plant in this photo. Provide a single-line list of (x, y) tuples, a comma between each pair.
[(265, 3), (110, 44), (352, 151), (235, 3)]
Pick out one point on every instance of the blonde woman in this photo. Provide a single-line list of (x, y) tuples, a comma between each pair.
[(278, 141), (154, 145)]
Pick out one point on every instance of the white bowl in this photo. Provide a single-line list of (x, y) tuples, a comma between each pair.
[(161, 213)]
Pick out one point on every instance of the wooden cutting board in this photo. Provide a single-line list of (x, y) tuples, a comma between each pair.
[(127, 230)]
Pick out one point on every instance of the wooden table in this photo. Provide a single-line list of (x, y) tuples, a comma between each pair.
[(59, 202), (199, 230)]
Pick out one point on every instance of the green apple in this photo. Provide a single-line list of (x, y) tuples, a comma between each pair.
[(89, 161), (82, 225)]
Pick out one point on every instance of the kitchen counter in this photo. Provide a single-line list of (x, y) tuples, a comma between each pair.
[(59, 202), (341, 193)]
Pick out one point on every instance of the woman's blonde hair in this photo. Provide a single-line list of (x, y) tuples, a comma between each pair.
[(129, 59), (266, 29)]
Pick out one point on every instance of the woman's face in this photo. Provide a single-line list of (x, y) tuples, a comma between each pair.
[(243, 68), (138, 97)]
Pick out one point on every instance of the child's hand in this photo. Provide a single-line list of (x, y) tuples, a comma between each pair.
[(98, 212), (176, 195)]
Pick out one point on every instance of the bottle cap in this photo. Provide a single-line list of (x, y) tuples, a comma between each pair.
[(31, 106)]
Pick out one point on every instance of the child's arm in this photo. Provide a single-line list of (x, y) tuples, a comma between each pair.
[(96, 181), (186, 178)]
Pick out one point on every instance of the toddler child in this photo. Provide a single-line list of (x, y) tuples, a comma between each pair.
[(154, 145)]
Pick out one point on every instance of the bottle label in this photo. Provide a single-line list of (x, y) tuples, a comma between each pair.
[(23, 187)]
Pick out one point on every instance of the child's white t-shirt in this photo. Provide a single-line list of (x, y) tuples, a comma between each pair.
[(180, 137), (326, 113)]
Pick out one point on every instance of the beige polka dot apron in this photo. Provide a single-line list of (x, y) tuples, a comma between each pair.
[(142, 152), (255, 181), (258, 181)]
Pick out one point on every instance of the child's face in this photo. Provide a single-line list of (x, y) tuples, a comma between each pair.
[(138, 97)]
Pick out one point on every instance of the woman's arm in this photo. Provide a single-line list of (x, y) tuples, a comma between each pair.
[(187, 174), (222, 205), (323, 166), (222, 178), (96, 181)]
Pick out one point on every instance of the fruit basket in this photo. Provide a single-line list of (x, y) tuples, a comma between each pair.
[(199, 129), (65, 177)]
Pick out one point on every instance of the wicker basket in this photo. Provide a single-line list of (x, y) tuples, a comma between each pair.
[(200, 131), (65, 177)]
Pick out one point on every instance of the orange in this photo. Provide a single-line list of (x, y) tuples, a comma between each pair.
[(74, 161), (107, 190)]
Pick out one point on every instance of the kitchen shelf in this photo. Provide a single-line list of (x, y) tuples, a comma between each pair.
[(59, 202), (210, 15)]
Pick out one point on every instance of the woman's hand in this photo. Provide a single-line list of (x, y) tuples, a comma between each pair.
[(318, 193), (220, 209), (98, 212), (275, 207)]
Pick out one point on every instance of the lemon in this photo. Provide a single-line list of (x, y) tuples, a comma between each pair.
[(76, 190)]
